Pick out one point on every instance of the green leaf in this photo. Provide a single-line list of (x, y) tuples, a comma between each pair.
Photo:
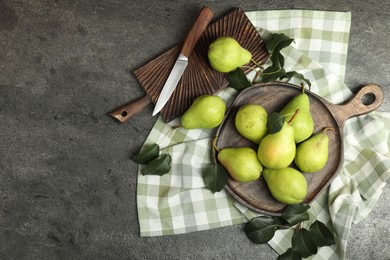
[(276, 70), (290, 255), (238, 80), (281, 223), (322, 235), (293, 74), (303, 243), (215, 178), (148, 154), (261, 229), (277, 41), (159, 166), (275, 122), (294, 214)]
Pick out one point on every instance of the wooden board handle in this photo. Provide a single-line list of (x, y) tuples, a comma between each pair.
[(200, 24), (357, 105), (125, 112)]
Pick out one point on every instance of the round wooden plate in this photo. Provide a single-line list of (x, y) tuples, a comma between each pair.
[(273, 97)]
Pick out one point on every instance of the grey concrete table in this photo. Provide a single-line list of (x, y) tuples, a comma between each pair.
[(67, 185)]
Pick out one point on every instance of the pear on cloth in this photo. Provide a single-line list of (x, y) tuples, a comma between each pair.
[(207, 111)]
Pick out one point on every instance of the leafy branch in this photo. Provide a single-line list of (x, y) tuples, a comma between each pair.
[(152, 162), (304, 242), (275, 43)]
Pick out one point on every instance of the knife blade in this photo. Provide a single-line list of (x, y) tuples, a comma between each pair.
[(198, 27)]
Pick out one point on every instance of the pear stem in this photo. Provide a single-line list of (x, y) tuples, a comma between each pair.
[(215, 143), (254, 62), (328, 128), (302, 88), (254, 69), (294, 116), (248, 67)]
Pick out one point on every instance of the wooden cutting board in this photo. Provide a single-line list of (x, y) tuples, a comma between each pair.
[(273, 97), (199, 78)]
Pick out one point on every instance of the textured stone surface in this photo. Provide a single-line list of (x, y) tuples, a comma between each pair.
[(67, 188)]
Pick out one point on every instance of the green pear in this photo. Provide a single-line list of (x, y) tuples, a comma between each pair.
[(226, 54), (303, 122), (207, 111), (246, 57), (277, 150), (287, 185), (251, 122), (241, 163), (312, 154)]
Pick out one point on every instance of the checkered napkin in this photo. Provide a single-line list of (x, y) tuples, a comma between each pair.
[(178, 202)]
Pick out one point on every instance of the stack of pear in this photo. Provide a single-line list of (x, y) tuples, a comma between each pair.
[(294, 142), (242, 163), (276, 152), (303, 124)]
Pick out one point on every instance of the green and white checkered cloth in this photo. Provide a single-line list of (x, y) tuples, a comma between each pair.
[(178, 202)]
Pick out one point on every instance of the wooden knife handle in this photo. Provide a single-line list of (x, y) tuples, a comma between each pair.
[(123, 113), (200, 24)]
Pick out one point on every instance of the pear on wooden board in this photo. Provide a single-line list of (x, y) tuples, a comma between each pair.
[(277, 150), (303, 124), (286, 185), (207, 111), (312, 154), (251, 122), (226, 54), (241, 163)]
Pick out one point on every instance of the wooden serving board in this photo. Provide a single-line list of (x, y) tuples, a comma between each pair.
[(273, 97), (199, 77)]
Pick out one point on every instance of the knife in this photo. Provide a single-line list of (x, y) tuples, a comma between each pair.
[(200, 24)]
